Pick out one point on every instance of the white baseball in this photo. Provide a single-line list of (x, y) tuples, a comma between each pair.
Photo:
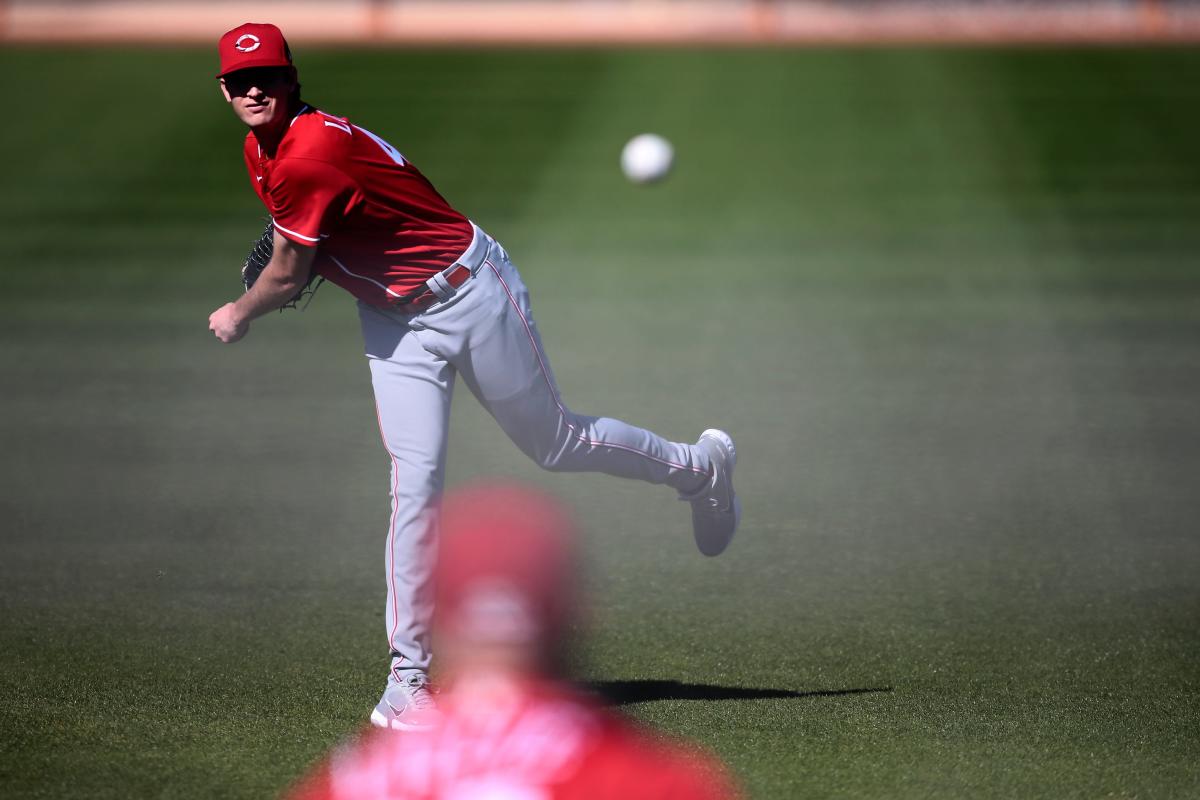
[(646, 158)]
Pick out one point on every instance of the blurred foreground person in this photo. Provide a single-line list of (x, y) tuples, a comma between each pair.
[(511, 728)]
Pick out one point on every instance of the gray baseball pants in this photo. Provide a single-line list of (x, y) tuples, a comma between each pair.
[(484, 332)]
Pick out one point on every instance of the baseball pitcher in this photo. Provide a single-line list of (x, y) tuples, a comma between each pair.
[(438, 298)]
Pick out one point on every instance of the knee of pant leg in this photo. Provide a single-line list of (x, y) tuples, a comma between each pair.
[(414, 485), (546, 454), (545, 445), (555, 454), (547, 435), (551, 462)]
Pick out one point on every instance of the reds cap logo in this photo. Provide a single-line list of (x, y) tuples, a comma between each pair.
[(251, 44), (247, 43)]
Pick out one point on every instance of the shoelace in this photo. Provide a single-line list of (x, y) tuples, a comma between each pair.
[(419, 695)]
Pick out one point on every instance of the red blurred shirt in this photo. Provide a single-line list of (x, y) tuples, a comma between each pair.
[(381, 226), (545, 743)]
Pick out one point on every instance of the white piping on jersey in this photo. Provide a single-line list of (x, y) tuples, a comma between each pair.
[(342, 267), (301, 235)]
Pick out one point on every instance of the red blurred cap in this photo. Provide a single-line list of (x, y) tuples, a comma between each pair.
[(505, 568), (253, 44)]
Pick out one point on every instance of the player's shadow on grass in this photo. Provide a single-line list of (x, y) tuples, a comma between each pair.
[(623, 693)]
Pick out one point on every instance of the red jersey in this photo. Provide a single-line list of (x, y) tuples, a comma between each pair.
[(545, 745), (382, 228)]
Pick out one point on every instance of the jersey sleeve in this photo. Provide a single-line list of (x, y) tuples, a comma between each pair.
[(308, 199)]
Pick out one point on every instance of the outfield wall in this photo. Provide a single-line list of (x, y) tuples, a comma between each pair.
[(607, 21)]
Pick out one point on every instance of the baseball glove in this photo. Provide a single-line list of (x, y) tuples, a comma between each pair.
[(257, 260)]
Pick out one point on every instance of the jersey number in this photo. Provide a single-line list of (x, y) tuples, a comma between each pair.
[(392, 152)]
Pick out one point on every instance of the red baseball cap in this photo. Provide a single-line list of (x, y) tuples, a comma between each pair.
[(253, 44), (505, 569)]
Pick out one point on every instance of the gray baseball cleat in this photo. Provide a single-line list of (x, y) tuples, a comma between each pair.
[(407, 705), (716, 509)]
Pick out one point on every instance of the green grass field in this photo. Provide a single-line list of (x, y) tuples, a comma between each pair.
[(948, 303)]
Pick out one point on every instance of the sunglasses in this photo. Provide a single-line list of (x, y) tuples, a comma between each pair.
[(264, 78)]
